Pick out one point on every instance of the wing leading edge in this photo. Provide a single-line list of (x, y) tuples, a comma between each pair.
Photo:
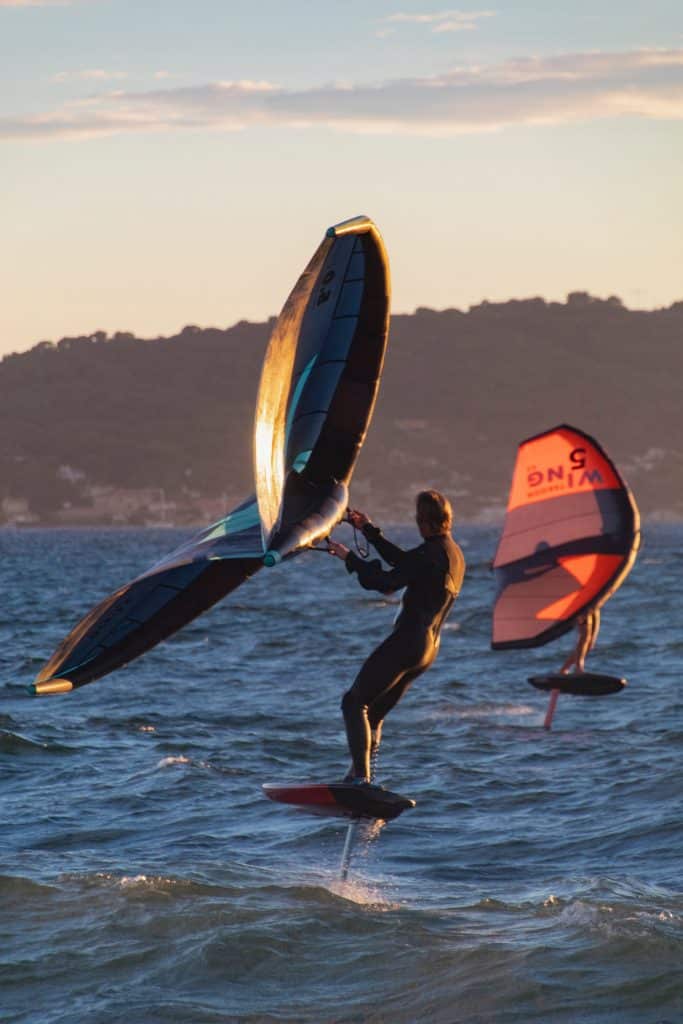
[(317, 393), (152, 607), (305, 460)]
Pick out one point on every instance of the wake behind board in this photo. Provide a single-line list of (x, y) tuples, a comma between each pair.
[(580, 684), (341, 798)]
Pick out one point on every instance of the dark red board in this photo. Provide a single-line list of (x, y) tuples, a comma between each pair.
[(341, 798)]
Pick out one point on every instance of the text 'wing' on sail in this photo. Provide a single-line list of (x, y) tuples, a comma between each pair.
[(137, 616), (318, 387), (570, 537)]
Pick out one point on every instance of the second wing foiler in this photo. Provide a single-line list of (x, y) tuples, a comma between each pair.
[(570, 537), (318, 387)]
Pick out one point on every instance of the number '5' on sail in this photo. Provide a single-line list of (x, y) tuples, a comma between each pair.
[(319, 382), (570, 537)]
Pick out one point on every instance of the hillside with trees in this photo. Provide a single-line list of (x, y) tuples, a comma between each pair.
[(459, 390)]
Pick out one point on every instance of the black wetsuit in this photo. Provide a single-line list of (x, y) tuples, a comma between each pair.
[(432, 575)]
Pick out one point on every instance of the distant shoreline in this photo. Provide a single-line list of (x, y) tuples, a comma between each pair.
[(656, 519), (165, 435)]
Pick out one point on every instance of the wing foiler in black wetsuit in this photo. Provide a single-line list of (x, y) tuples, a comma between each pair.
[(432, 575)]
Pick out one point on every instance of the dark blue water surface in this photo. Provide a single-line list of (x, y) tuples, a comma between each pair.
[(144, 877)]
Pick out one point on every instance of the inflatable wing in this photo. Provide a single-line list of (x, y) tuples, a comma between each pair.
[(570, 537), (318, 388)]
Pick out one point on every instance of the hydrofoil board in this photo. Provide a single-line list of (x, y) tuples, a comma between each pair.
[(341, 798), (580, 684)]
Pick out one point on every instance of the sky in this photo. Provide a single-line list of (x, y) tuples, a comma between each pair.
[(167, 162)]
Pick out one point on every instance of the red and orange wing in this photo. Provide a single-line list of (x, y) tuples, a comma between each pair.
[(570, 537)]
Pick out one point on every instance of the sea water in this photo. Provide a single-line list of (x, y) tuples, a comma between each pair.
[(145, 878)]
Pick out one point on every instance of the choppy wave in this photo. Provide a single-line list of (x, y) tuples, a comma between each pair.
[(16, 743), (144, 877)]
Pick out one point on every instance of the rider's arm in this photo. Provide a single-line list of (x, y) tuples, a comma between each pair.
[(372, 576), (391, 553)]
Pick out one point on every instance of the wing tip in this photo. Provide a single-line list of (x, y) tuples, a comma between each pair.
[(49, 687), (353, 225)]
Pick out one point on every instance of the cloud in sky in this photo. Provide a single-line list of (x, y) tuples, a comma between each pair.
[(37, 3), (89, 74), (528, 91), (442, 21)]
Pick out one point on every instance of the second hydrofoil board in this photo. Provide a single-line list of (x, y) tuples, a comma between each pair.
[(580, 684)]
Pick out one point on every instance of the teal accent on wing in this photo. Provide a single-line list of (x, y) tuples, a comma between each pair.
[(243, 519), (305, 373), (323, 337), (301, 460), (244, 553)]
